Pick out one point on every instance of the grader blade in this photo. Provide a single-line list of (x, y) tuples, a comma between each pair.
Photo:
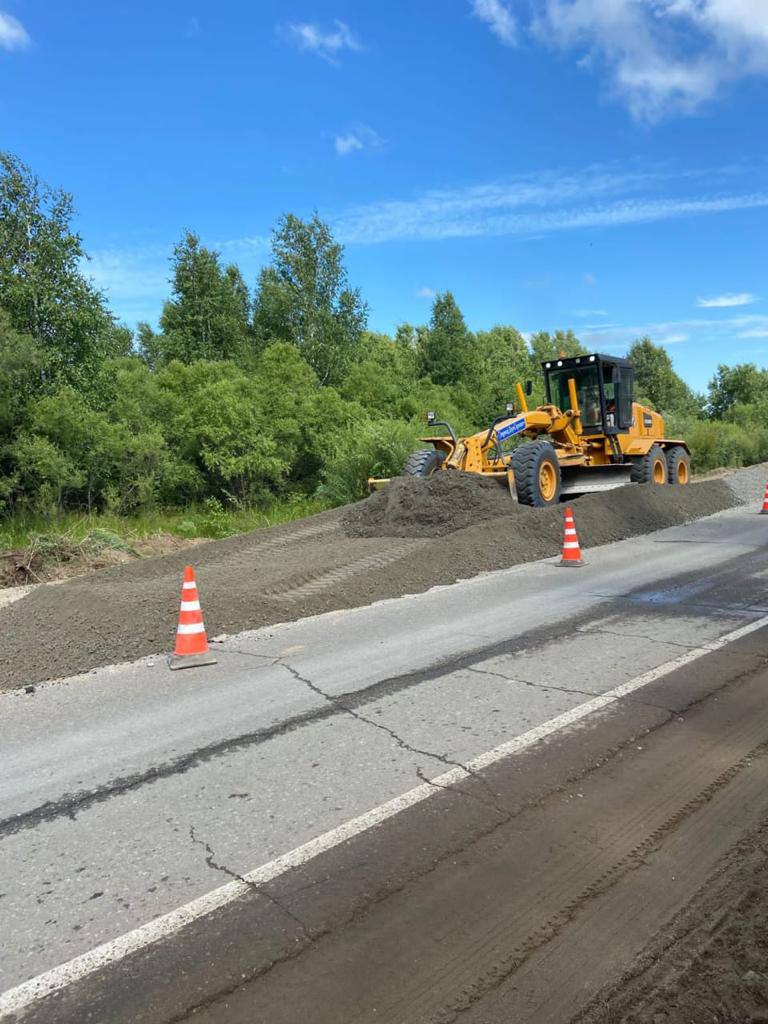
[(578, 480), (377, 483)]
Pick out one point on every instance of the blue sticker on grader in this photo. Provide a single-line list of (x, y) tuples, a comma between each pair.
[(511, 428)]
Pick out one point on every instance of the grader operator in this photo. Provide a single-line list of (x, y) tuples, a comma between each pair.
[(589, 436)]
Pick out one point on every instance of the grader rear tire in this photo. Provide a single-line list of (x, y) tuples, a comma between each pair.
[(650, 468), (679, 465), (424, 462), (537, 474)]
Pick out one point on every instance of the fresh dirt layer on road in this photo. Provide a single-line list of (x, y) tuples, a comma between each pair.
[(415, 535), (712, 964)]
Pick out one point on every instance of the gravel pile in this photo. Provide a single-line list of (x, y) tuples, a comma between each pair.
[(413, 506), (748, 485), (450, 502), (414, 535)]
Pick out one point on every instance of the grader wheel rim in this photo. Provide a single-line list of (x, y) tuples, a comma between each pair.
[(659, 471), (682, 472), (547, 481)]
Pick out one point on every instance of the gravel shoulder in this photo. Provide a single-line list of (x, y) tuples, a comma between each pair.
[(414, 535)]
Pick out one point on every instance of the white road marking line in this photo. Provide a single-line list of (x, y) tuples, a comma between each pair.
[(17, 999)]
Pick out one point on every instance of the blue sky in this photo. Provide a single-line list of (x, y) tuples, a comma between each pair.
[(594, 164)]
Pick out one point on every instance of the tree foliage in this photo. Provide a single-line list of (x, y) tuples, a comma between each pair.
[(303, 297), (208, 314), (656, 380), (445, 346), (43, 291), (743, 384)]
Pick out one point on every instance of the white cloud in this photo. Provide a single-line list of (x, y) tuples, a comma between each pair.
[(596, 197), (426, 293), (726, 301), (673, 339), (346, 144), (129, 273), (249, 243), (358, 137), (326, 44), (662, 56), (13, 35), (722, 331), (498, 17), (589, 313), (590, 280)]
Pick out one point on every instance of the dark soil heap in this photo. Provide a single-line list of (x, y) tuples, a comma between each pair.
[(413, 506), (450, 501), (413, 535)]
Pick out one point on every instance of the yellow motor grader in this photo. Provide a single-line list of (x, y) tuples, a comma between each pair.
[(602, 439)]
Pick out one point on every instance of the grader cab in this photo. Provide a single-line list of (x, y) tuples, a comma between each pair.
[(590, 435)]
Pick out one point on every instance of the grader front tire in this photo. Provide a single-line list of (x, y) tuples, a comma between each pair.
[(537, 474), (424, 462)]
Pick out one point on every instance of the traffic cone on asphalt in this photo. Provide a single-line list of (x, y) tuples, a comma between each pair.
[(571, 549), (764, 509), (191, 641)]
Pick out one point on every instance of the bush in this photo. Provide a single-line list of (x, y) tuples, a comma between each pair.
[(371, 448), (721, 443)]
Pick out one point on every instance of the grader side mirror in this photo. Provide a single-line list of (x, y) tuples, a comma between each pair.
[(529, 388)]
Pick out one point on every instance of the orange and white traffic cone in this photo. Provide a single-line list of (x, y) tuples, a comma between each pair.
[(764, 509), (191, 641), (571, 549)]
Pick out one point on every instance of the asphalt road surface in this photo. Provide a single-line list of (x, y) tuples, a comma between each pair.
[(479, 804)]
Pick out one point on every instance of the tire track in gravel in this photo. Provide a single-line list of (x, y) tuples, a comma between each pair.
[(307, 586)]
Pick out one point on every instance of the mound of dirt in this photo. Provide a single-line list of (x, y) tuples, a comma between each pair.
[(451, 501), (412, 506), (416, 535)]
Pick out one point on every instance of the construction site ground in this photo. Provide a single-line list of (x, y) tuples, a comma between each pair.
[(414, 535), (538, 795)]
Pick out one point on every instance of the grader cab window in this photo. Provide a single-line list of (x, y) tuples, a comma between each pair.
[(587, 393), (603, 391), (623, 380)]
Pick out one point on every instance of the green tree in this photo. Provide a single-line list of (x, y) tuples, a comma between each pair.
[(42, 286), (304, 298), (445, 347), (208, 315), (743, 384), (385, 373), (549, 346), (656, 380), (498, 359), (22, 380), (22, 376)]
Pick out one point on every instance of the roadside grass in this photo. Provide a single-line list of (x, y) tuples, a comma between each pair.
[(209, 521)]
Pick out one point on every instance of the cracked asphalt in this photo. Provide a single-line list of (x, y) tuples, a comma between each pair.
[(131, 791)]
